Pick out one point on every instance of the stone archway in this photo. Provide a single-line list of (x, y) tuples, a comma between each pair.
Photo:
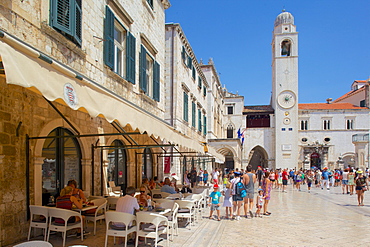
[(258, 157), (229, 158)]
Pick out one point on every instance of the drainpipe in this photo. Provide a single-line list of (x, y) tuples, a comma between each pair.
[(172, 77)]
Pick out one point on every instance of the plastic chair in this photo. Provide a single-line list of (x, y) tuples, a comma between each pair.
[(165, 194), (63, 214), (119, 217), (114, 190), (36, 222), (34, 244), (99, 212), (112, 202), (159, 225), (172, 221), (186, 210), (165, 203)]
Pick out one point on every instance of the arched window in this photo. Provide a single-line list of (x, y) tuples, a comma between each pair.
[(230, 131), (285, 47), (62, 162), (117, 164), (147, 164)]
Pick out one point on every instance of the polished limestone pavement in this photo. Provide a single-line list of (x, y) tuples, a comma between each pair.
[(320, 218)]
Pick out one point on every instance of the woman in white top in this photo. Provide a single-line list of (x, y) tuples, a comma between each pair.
[(345, 181)]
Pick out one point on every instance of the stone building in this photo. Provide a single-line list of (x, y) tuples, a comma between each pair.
[(83, 96)]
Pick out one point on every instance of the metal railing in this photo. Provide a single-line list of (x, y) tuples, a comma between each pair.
[(360, 138)]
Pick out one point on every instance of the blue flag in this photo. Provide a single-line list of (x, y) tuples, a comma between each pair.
[(239, 133)]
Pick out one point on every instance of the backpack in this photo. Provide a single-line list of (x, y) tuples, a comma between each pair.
[(240, 189)]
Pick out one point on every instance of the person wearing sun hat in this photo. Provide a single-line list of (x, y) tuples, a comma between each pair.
[(361, 186)]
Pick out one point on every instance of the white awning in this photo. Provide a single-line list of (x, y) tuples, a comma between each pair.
[(23, 67)]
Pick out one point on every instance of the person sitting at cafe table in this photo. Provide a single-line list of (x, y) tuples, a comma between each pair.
[(167, 188), (145, 184), (76, 191), (67, 201), (143, 197)]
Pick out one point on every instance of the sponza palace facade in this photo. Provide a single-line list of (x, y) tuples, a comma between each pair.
[(101, 91)]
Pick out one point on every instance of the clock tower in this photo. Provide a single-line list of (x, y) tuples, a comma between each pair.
[(284, 98)]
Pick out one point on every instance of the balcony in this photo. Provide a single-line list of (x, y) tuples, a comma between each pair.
[(360, 138)]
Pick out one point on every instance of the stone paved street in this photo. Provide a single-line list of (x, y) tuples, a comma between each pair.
[(319, 218)]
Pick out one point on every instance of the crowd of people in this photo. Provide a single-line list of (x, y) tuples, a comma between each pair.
[(245, 189)]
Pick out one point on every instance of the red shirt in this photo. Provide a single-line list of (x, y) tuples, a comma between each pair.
[(285, 175)]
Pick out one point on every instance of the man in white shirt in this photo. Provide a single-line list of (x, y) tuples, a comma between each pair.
[(127, 204), (215, 175)]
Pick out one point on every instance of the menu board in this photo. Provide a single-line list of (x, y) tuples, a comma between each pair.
[(71, 168)]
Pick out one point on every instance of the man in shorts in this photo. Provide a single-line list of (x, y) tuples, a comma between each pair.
[(237, 199), (285, 178), (249, 179), (215, 175)]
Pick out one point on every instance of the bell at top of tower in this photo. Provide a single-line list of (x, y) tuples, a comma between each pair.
[(284, 18)]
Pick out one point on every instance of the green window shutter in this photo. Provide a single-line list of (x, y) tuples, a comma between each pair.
[(193, 115), (204, 91), (156, 81), (199, 82), (77, 32), (204, 125), (183, 55), (193, 73), (186, 109), (61, 15), (142, 81), (109, 38), (130, 63), (190, 63), (199, 120)]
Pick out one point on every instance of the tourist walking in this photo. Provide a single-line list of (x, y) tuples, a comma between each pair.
[(325, 179), (228, 200), (361, 186), (351, 181), (237, 199), (309, 178), (345, 181), (249, 179), (284, 178), (259, 204), (215, 175), (214, 202), (205, 177)]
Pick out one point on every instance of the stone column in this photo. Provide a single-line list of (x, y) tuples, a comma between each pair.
[(105, 177), (37, 164), (86, 176), (324, 162)]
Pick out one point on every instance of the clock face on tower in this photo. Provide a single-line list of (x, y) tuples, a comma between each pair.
[(286, 99)]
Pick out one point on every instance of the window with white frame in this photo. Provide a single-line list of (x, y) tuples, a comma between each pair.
[(326, 124), (230, 110), (349, 124), (119, 49), (230, 131), (149, 78)]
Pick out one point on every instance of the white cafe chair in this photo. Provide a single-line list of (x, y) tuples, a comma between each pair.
[(36, 221), (63, 214), (114, 190), (158, 224), (112, 202), (172, 221), (186, 210), (126, 219), (34, 244), (99, 213)]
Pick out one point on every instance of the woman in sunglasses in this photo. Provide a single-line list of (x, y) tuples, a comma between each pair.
[(143, 198)]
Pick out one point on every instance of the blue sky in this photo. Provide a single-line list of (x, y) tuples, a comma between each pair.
[(334, 43)]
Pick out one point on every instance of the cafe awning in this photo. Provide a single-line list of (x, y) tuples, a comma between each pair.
[(29, 68)]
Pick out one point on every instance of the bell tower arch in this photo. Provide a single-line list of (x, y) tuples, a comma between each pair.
[(285, 90)]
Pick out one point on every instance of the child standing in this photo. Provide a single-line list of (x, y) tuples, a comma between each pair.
[(259, 202), (225, 181), (214, 202), (228, 203)]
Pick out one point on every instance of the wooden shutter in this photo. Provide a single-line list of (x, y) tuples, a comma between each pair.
[(183, 55), (190, 63), (62, 18), (199, 120), (193, 114), (109, 38), (199, 82), (156, 81), (142, 81), (204, 125), (78, 22), (130, 59), (186, 109)]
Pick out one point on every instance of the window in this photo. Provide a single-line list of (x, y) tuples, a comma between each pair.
[(230, 110), (193, 73), (66, 17), (147, 165), (117, 164), (362, 103), (199, 82), (349, 124), (258, 121), (150, 2), (204, 124), (190, 63), (304, 124), (119, 48), (62, 162), (186, 110), (193, 114), (326, 124), (149, 75), (230, 131), (204, 91), (285, 48), (199, 120)]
